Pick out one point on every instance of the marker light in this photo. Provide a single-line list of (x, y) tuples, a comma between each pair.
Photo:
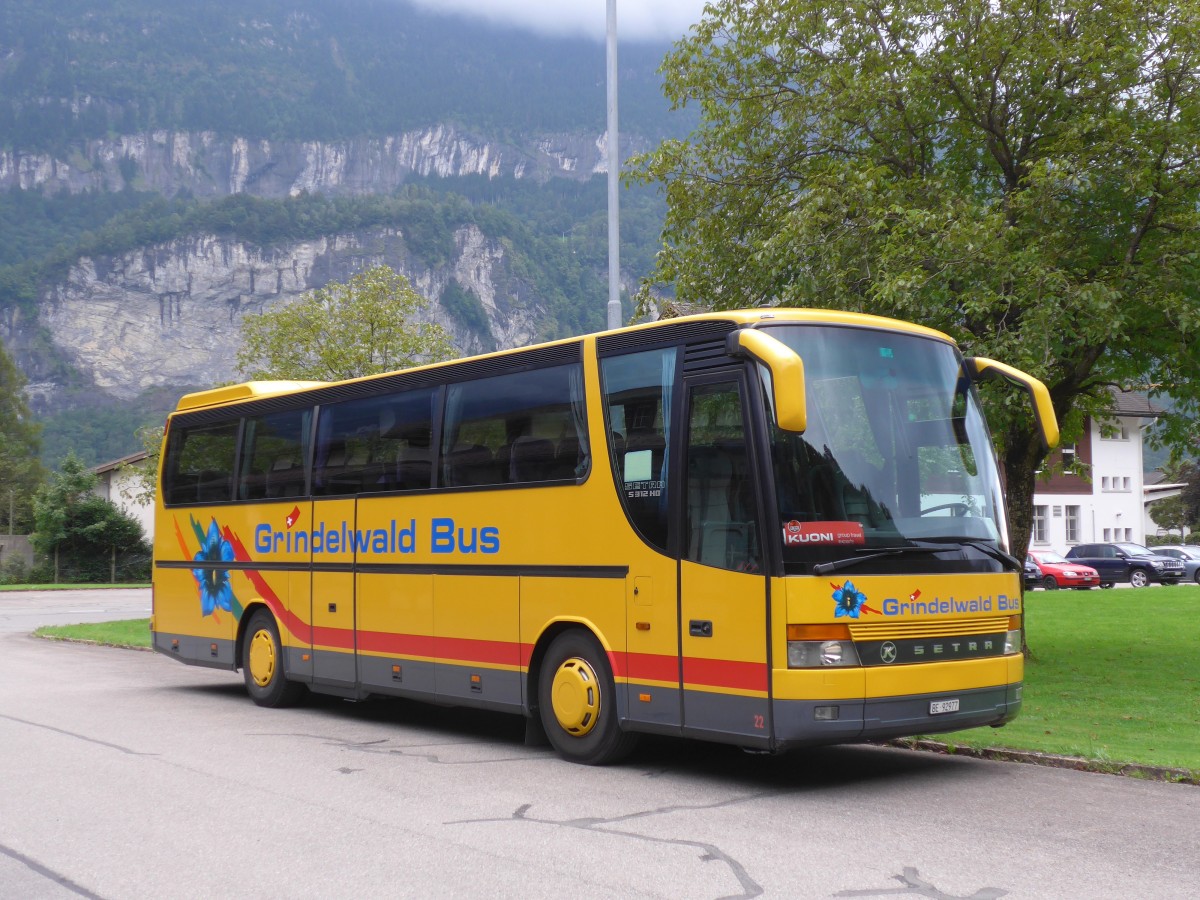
[(1012, 638)]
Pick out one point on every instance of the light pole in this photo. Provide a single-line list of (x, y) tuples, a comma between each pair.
[(614, 172)]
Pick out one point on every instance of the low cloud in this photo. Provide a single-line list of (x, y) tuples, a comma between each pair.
[(665, 20)]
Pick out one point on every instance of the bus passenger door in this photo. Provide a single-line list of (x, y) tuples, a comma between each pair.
[(333, 642), (723, 585)]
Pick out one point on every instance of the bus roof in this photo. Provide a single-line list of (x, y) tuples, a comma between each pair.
[(250, 390), (746, 317)]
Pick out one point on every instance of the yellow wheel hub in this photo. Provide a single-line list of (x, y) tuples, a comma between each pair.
[(575, 697), (262, 657)]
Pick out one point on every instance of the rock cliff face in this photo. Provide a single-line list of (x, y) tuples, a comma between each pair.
[(168, 316), (209, 166)]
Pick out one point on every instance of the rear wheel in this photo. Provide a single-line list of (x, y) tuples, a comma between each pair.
[(1107, 584), (262, 664), (1050, 583), (1139, 578), (577, 702)]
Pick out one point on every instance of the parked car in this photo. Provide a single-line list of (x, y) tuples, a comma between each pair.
[(1058, 571), (1189, 555), (1033, 575), (1124, 561)]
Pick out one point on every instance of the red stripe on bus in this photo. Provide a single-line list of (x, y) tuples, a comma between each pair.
[(726, 673), (647, 666), (499, 653)]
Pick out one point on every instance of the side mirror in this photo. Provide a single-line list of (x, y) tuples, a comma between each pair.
[(985, 369), (787, 374)]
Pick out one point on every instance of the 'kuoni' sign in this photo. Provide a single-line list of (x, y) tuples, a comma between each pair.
[(797, 533)]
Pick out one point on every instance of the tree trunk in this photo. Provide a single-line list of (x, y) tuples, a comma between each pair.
[(1023, 453)]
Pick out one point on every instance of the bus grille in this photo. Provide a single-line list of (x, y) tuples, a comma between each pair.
[(892, 631)]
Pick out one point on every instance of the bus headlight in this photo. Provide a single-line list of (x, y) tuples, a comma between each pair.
[(818, 646)]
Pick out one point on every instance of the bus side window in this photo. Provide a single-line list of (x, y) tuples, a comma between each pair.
[(638, 390), (515, 428), (200, 463), (273, 453)]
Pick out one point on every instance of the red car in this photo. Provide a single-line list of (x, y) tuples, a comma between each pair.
[(1058, 571)]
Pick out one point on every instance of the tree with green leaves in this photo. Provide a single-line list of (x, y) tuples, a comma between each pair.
[(1024, 176), (363, 327), (20, 443), (82, 537)]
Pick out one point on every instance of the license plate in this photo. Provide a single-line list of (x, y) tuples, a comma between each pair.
[(937, 707)]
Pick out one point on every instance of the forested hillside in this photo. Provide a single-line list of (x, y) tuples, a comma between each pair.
[(86, 86), (297, 69)]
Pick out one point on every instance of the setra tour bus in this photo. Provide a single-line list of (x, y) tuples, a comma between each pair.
[(773, 528)]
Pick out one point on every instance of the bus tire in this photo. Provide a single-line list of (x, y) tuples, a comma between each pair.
[(577, 702), (262, 664)]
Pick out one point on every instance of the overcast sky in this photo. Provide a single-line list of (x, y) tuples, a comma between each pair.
[(665, 20)]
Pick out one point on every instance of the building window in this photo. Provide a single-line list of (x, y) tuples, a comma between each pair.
[(1114, 432), (1073, 525), (1039, 524), (1068, 455), (1108, 534), (1105, 483), (1125, 484)]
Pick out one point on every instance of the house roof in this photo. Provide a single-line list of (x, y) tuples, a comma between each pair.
[(1134, 403), (115, 464)]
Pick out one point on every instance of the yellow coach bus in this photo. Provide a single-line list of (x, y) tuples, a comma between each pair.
[(773, 528)]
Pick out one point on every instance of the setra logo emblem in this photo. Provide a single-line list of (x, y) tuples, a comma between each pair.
[(887, 652)]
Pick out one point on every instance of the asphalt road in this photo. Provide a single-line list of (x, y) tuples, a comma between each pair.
[(126, 775)]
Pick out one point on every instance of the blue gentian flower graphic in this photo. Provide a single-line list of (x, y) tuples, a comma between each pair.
[(215, 589), (849, 600)]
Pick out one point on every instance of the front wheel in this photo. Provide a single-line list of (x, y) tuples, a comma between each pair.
[(1050, 583), (262, 664), (577, 702), (1139, 578)]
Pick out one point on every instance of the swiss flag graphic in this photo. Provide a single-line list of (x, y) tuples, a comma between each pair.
[(292, 517)]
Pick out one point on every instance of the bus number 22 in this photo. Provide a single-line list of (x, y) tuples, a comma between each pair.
[(758, 722)]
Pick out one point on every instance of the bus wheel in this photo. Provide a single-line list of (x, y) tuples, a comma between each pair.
[(576, 701), (262, 664)]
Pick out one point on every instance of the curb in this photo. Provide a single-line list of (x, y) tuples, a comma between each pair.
[(1051, 760)]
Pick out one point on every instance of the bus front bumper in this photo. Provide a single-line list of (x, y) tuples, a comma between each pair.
[(875, 704)]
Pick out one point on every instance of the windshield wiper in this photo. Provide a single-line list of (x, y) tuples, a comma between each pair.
[(983, 547), (851, 561)]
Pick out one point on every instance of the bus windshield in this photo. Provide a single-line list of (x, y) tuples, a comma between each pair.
[(895, 471)]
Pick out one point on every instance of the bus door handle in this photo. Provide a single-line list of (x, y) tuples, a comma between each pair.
[(700, 628)]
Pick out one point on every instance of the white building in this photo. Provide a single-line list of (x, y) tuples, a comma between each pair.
[(1111, 502), (119, 483)]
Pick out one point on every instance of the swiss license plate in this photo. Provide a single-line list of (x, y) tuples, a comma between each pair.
[(937, 707)]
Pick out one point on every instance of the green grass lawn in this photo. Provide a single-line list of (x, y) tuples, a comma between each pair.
[(67, 587), (1114, 676), (125, 633)]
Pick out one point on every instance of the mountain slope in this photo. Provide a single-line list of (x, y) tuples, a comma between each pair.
[(165, 169)]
